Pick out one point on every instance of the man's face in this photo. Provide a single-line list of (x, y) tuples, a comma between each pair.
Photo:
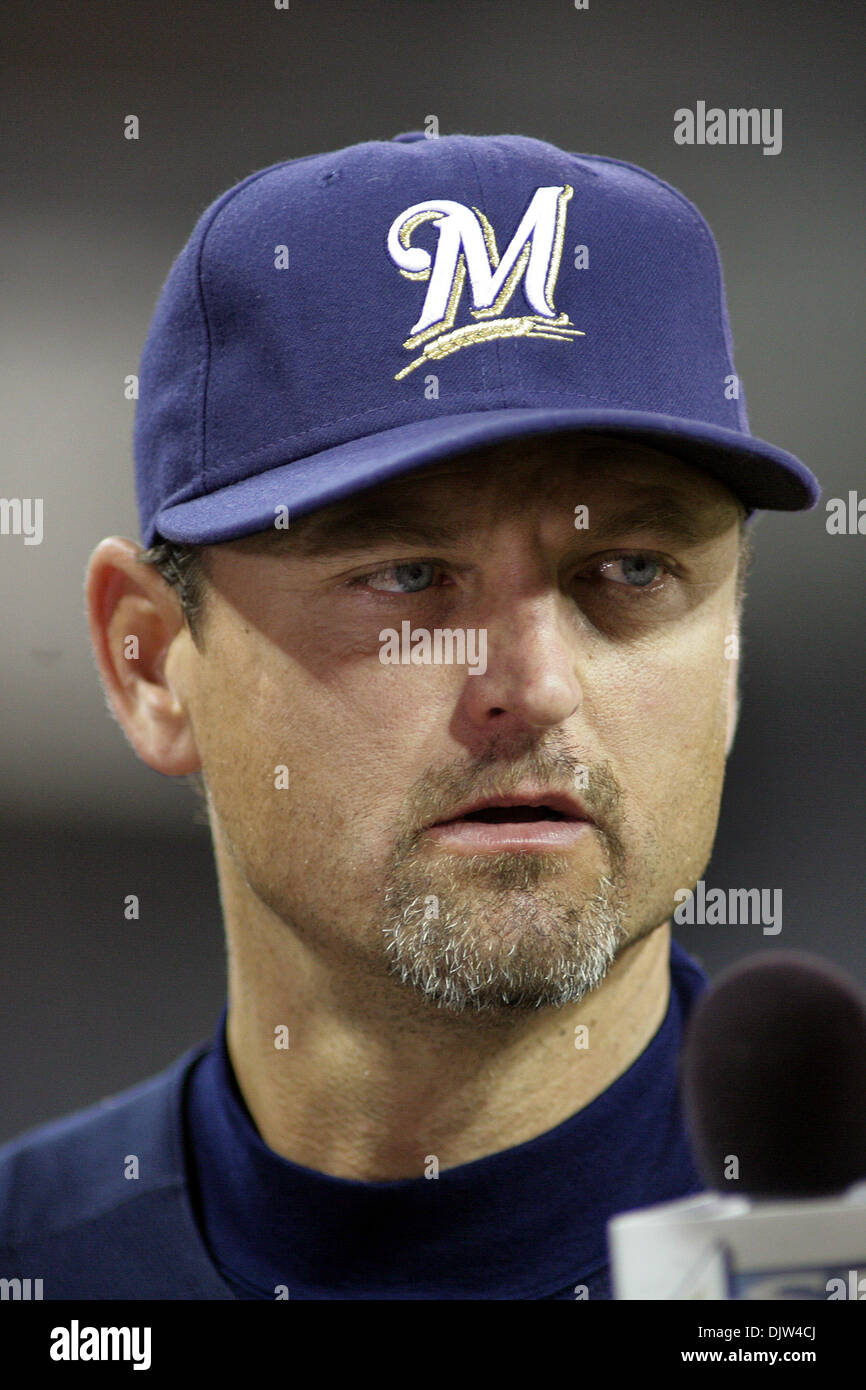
[(607, 674)]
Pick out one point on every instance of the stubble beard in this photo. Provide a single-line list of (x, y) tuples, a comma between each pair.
[(488, 933)]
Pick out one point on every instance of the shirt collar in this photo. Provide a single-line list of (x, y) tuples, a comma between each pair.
[(522, 1222)]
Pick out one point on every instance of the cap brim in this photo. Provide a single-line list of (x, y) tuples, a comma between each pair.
[(761, 475)]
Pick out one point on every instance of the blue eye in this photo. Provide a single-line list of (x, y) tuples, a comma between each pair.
[(414, 575), (638, 570)]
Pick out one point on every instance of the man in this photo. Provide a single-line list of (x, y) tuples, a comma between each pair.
[(441, 450)]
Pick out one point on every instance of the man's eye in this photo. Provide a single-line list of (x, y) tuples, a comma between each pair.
[(409, 578), (637, 571)]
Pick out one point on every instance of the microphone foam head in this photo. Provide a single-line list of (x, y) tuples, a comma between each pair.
[(773, 1076)]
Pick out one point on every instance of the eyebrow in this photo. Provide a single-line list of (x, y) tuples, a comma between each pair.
[(324, 536), (663, 513)]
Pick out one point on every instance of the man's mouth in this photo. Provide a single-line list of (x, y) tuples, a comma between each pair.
[(509, 823), (501, 815)]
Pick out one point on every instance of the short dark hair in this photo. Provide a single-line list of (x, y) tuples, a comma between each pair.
[(184, 568)]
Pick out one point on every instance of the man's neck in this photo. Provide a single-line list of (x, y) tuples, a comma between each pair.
[(363, 1080)]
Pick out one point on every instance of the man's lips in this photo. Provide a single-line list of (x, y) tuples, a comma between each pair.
[(518, 821), (528, 806)]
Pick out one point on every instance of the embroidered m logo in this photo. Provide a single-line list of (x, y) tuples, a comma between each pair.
[(467, 247)]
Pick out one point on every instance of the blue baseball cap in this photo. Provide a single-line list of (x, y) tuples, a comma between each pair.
[(340, 319)]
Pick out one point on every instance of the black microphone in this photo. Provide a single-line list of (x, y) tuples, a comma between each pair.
[(774, 1078), (773, 1085)]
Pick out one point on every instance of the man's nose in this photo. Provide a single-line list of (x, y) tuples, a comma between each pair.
[(531, 675)]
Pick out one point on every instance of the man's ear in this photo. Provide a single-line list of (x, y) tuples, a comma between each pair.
[(135, 619)]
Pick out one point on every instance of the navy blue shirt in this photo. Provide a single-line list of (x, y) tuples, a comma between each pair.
[(528, 1222)]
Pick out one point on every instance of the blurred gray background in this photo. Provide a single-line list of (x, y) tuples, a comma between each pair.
[(89, 226)]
